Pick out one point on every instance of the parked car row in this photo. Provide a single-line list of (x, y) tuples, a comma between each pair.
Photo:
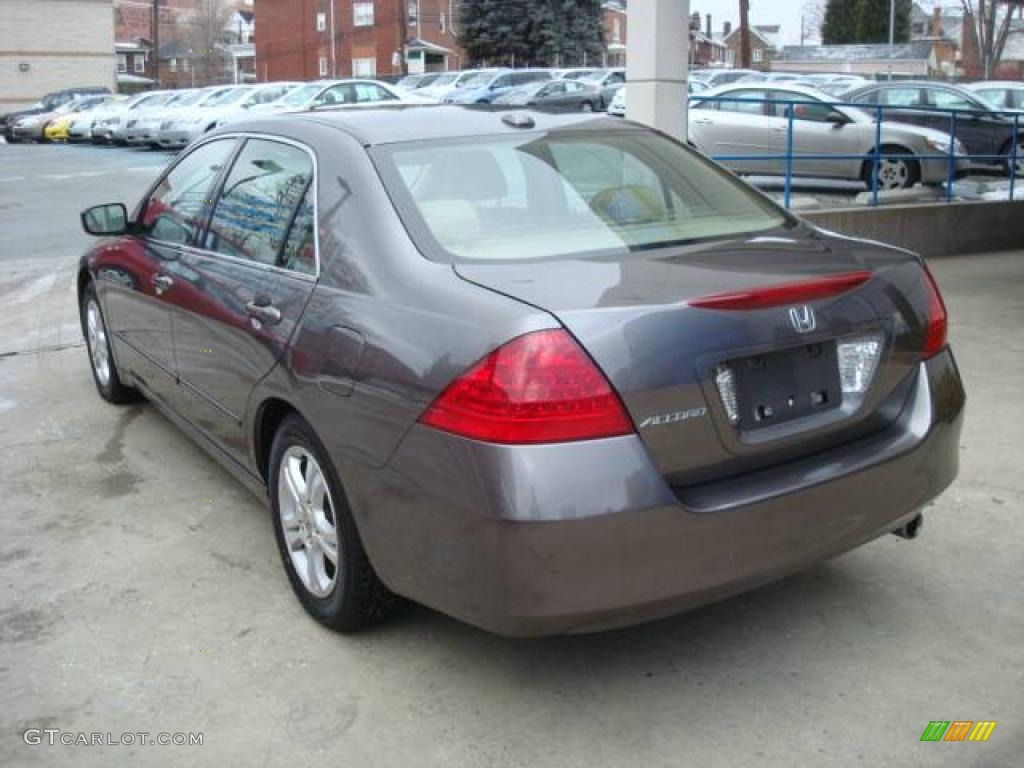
[(592, 90), (174, 119)]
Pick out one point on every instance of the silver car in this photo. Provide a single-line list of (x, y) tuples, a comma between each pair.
[(745, 127)]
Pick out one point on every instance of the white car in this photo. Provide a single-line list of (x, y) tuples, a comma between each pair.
[(145, 128), (179, 129), (322, 93), (1007, 95), (80, 127), (259, 96), (618, 106), (110, 125), (447, 84)]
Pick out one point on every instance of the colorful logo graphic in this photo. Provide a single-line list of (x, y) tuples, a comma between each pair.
[(958, 730)]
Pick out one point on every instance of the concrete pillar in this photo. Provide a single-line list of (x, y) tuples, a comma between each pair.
[(657, 51)]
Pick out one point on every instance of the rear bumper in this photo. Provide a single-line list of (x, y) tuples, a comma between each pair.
[(588, 536)]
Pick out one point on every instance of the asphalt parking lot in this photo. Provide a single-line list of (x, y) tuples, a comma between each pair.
[(140, 589)]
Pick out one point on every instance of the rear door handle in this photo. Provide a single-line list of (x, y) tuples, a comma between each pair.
[(703, 121), (162, 283), (262, 310)]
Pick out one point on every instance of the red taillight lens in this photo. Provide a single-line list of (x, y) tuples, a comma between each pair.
[(935, 333), (762, 297), (538, 388)]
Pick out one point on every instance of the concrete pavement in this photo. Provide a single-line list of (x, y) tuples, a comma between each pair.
[(140, 589)]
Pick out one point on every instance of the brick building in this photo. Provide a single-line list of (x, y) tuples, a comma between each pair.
[(614, 18), (307, 39), (50, 45)]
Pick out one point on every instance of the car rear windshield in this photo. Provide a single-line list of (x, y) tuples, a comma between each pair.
[(564, 194)]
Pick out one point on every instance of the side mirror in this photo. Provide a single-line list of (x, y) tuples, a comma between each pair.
[(836, 119), (105, 220)]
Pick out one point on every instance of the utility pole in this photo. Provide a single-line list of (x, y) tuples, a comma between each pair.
[(892, 32), (156, 43), (745, 34)]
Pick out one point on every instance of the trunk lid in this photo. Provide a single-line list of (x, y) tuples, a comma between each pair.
[(635, 317)]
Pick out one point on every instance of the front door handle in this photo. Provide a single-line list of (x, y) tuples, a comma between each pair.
[(162, 283), (703, 121), (261, 309)]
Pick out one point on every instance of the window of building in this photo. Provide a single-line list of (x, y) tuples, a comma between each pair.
[(321, 22), (140, 64), (758, 54), (444, 25), (122, 62), (414, 12), (617, 30), (362, 14), (364, 67), (262, 192), (173, 65), (323, 66)]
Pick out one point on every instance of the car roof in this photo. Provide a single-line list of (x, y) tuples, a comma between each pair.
[(994, 84), (422, 122), (764, 85)]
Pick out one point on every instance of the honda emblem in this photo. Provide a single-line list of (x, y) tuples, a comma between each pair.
[(802, 319)]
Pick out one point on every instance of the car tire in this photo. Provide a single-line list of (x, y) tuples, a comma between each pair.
[(1008, 161), (312, 523), (101, 359), (586, 106), (900, 170)]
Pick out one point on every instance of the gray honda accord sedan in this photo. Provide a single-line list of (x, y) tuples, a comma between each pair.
[(544, 373)]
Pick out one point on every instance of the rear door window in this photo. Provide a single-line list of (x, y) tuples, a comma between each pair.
[(900, 97), (259, 200), (749, 101), (943, 99), (175, 210), (367, 92)]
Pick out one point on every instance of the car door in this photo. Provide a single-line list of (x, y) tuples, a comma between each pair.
[(552, 95), (739, 130), (142, 276), (820, 131), (251, 278), (981, 131)]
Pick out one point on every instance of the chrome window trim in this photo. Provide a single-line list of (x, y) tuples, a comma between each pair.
[(315, 186)]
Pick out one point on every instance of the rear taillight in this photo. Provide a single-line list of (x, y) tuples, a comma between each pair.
[(935, 332), (537, 388), (764, 296)]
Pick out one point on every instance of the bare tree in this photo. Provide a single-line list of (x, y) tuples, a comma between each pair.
[(987, 25), (812, 16), (204, 35)]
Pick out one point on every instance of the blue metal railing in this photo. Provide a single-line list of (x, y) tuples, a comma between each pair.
[(956, 163)]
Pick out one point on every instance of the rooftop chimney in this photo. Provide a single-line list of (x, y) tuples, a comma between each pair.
[(726, 28), (707, 25)]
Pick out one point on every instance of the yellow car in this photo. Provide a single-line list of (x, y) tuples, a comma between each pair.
[(57, 129)]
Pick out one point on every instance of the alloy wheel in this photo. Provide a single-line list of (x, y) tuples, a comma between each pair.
[(96, 336), (308, 521), (893, 173)]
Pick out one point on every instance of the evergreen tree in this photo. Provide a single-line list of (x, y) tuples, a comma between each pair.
[(840, 24), (532, 32), (872, 25)]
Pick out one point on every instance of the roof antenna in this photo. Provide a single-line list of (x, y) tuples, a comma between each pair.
[(518, 120)]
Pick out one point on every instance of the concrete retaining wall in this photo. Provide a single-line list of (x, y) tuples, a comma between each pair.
[(932, 229)]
